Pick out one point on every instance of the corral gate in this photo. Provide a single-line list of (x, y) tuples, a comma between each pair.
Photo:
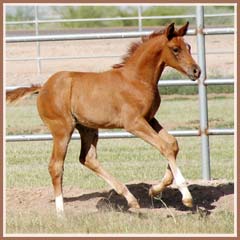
[(200, 32)]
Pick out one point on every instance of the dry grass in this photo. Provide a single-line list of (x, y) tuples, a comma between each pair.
[(113, 222)]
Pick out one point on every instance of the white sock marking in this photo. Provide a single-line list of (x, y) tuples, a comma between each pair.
[(181, 184), (59, 203), (179, 179)]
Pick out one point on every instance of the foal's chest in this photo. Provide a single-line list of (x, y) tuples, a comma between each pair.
[(152, 105), (155, 105)]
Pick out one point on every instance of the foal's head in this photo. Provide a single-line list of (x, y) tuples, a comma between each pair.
[(176, 52), (170, 46)]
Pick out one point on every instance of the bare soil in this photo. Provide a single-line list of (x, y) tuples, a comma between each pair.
[(209, 197)]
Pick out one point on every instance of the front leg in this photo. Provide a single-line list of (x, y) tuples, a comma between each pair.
[(168, 177), (167, 146)]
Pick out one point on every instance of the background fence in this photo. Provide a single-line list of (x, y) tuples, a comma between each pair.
[(139, 18), (200, 33)]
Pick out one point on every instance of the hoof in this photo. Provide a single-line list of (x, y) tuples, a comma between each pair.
[(134, 205), (155, 190), (188, 202)]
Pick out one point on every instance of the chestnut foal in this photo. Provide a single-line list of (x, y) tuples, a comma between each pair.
[(124, 97)]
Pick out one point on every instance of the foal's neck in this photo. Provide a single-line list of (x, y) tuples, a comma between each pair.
[(147, 63)]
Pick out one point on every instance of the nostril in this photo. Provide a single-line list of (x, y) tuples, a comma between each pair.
[(196, 71)]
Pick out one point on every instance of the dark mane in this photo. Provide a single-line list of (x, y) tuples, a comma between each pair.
[(135, 45)]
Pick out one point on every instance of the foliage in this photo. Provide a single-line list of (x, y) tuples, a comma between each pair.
[(73, 12), (219, 21), (20, 13), (167, 11)]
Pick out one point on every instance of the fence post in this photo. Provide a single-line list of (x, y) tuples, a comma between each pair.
[(139, 18), (37, 43), (203, 94)]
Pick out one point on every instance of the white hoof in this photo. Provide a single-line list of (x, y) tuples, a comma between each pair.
[(188, 202)]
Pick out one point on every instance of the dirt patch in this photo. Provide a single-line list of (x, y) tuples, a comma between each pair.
[(209, 197)]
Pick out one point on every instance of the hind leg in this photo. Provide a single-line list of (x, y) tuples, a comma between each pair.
[(88, 157), (54, 109), (61, 132)]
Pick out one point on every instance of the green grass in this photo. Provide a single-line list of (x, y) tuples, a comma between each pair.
[(128, 160), (192, 90), (118, 154), (27, 163), (17, 117), (176, 112)]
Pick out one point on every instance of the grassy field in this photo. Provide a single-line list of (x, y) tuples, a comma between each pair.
[(128, 160), (116, 222)]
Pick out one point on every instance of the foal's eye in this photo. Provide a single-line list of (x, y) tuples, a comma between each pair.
[(175, 50)]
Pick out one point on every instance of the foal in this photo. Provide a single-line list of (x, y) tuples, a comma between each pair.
[(124, 97)]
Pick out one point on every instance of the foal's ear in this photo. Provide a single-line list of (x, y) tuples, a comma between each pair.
[(169, 32), (183, 30)]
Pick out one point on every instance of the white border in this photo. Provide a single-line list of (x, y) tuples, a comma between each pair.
[(121, 4), (235, 122), (122, 235), (4, 127)]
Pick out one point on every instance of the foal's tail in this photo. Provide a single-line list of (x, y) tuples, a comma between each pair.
[(22, 92)]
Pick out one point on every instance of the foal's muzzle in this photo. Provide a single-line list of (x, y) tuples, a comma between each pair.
[(194, 72)]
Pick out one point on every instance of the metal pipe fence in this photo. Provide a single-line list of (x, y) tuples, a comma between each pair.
[(204, 132), (114, 135), (173, 82), (203, 105), (140, 17), (114, 35)]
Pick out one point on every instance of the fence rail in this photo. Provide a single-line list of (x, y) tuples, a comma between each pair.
[(165, 83), (111, 135), (93, 36), (204, 132), (89, 57), (114, 19)]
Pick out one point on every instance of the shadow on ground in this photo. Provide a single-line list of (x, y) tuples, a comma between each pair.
[(203, 197)]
